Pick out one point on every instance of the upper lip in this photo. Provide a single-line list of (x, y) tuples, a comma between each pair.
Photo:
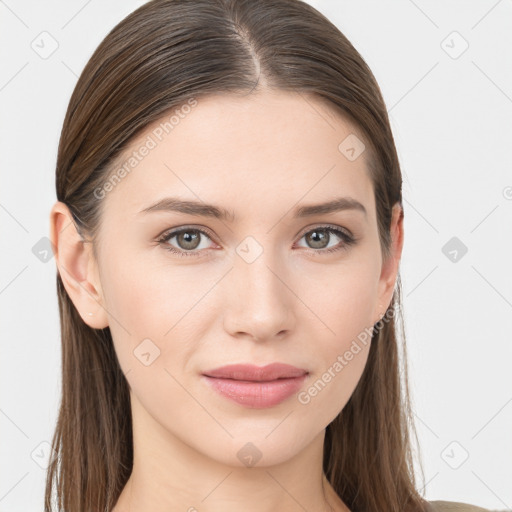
[(256, 373)]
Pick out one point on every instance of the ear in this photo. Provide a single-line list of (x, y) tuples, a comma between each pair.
[(389, 270), (77, 267)]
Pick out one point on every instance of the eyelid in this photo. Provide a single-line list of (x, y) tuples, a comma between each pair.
[(167, 232), (317, 225), (174, 231)]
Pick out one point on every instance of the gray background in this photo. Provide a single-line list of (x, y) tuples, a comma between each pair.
[(450, 109)]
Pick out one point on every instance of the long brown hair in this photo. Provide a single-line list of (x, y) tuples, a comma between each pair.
[(155, 60)]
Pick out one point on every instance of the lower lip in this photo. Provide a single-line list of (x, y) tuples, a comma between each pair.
[(256, 395)]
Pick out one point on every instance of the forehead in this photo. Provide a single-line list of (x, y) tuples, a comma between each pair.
[(255, 152)]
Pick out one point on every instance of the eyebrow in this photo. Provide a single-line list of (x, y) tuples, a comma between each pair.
[(200, 209)]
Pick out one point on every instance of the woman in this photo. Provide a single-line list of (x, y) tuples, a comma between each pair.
[(228, 232)]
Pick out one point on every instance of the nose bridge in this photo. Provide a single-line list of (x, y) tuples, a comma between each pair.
[(262, 301)]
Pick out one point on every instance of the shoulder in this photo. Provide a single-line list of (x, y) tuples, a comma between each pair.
[(456, 506)]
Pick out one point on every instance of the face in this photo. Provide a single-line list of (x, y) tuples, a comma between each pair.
[(257, 286)]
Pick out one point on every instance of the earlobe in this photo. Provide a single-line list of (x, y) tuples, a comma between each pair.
[(389, 270), (77, 267)]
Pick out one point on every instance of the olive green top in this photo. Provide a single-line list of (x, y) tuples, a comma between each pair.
[(456, 506)]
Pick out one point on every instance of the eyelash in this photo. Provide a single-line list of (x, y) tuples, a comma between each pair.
[(347, 239)]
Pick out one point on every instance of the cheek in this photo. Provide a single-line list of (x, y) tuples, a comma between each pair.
[(341, 301), (146, 296), (345, 307), (153, 312), (152, 334), (329, 391)]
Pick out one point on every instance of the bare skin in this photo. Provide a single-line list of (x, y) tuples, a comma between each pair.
[(260, 156)]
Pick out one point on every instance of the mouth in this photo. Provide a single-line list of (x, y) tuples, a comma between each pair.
[(256, 387), (270, 372)]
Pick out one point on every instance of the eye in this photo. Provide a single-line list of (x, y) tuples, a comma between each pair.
[(189, 240), (320, 236)]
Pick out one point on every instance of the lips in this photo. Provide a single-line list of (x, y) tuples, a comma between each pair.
[(256, 387), (256, 373)]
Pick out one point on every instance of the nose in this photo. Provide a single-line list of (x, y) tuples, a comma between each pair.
[(260, 303)]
